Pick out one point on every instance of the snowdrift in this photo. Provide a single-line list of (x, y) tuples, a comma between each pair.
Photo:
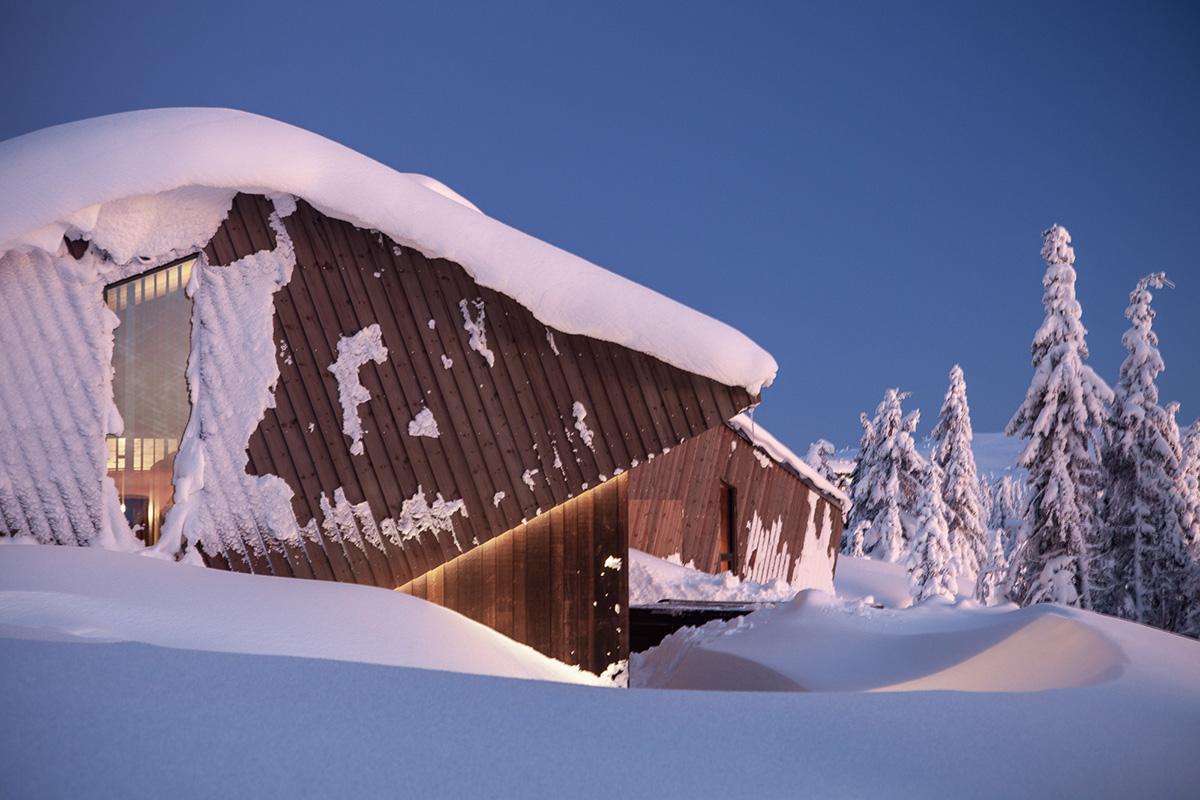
[(93, 595), (88, 716), (819, 644), (652, 579)]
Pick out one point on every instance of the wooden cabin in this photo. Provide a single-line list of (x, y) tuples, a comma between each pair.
[(252, 347), (735, 499)]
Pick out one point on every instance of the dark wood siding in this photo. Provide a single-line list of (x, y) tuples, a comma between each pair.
[(675, 506), (545, 583), (496, 422)]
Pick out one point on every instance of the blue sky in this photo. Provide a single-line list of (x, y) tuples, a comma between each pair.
[(860, 187)]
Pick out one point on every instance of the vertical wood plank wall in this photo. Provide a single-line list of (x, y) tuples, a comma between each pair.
[(674, 503), (546, 583), (498, 423)]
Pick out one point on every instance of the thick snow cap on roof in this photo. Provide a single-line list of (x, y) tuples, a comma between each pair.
[(778, 451), (57, 180)]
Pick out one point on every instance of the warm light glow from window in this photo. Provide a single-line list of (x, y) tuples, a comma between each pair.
[(150, 352)]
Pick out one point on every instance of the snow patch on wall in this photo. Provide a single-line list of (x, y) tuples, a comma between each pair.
[(424, 425), (447, 362), (231, 374), (56, 407), (496, 498), (354, 523), (353, 352), (580, 414), (612, 562), (527, 477), (764, 558), (553, 344), (476, 330), (813, 568)]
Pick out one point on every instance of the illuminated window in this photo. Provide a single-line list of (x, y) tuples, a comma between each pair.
[(150, 354)]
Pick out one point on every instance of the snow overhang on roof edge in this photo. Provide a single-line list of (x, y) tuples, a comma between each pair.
[(57, 181), (779, 452)]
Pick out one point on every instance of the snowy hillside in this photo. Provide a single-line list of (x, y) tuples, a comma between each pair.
[(144, 679)]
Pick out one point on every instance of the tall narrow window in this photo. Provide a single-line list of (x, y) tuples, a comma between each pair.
[(727, 532), (150, 354)]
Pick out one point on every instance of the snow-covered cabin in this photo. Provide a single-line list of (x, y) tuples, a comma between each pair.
[(228, 340)]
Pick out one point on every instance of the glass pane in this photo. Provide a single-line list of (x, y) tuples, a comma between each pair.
[(150, 353)]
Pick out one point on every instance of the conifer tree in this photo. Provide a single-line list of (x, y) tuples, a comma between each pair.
[(989, 589), (1004, 521), (930, 560), (818, 456), (887, 482), (952, 437), (1189, 490), (1142, 550), (1062, 412)]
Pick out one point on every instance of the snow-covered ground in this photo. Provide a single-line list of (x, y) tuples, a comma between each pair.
[(125, 676), (91, 595)]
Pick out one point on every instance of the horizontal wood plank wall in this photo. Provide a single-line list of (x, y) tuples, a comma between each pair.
[(499, 424), (550, 574), (674, 505)]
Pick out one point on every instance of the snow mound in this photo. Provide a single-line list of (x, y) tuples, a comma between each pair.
[(87, 594), (652, 579), (62, 180), (935, 647)]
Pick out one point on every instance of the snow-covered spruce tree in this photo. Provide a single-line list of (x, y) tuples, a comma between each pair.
[(1143, 548), (1063, 410), (818, 456), (1188, 481), (989, 589), (1004, 521), (952, 437), (985, 497), (1003, 525), (887, 482), (930, 559)]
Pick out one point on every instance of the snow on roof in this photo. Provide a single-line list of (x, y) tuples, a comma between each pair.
[(57, 180), (762, 438)]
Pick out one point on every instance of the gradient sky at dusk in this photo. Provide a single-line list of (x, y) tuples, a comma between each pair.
[(860, 187)]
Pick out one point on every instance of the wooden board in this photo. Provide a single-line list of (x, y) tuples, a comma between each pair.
[(560, 569), (497, 422), (675, 505)]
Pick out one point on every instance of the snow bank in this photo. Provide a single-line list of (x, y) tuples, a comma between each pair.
[(849, 647), (761, 437), (65, 180), (93, 595), (652, 579)]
